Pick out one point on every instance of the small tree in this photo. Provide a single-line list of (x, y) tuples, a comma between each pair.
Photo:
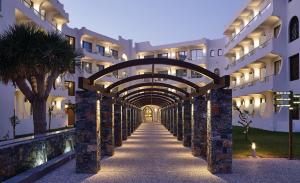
[(32, 59), (14, 120), (244, 120)]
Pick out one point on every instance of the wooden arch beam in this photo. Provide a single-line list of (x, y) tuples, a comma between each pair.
[(147, 76), (153, 61), (154, 84)]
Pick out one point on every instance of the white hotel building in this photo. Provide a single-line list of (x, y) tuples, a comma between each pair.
[(259, 50)]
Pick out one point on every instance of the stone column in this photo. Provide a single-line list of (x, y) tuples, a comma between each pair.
[(118, 124), (163, 117), (187, 130), (179, 123), (132, 120), (219, 131), (124, 123), (199, 125), (171, 120), (175, 121), (88, 135), (107, 127), (128, 121)]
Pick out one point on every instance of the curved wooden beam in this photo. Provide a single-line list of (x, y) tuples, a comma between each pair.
[(150, 94), (153, 90), (145, 101), (154, 84), (151, 61), (153, 96), (146, 76)]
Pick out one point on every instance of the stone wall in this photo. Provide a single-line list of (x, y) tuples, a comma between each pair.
[(24, 155)]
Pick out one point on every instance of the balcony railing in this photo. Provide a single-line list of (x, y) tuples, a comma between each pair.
[(252, 52), (29, 5), (261, 12), (265, 79)]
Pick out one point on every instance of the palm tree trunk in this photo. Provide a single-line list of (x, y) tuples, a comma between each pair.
[(39, 115)]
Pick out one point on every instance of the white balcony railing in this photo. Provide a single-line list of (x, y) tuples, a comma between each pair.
[(266, 5), (252, 52), (263, 80), (28, 4)]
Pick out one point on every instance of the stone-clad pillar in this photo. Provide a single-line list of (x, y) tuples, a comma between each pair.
[(133, 120), (171, 119), (88, 135), (175, 121), (124, 122), (199, 125), (163, 117), (179, 122), (128, 121), (107, 127), (219, 131), (167, 118), (187, 130), (118, 124)]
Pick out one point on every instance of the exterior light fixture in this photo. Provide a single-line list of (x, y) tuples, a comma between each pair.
[(253, 147)]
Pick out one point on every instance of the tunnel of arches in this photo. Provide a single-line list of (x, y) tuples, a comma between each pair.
[(200, 118)]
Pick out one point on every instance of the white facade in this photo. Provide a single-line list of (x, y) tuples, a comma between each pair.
[(255, 52)]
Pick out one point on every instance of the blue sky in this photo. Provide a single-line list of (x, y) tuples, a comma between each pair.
[(157, 21)]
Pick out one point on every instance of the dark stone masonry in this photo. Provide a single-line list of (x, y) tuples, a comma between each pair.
[(179, 122), (88, 135), (107, 127), (187, 126), (199, 132), (124, 122), (24, 155), (219, 131), (118, 124)]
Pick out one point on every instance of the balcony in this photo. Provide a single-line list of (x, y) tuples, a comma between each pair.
[(99, 57), (41, 16), (262, 16), (254, 86), (255, 54)]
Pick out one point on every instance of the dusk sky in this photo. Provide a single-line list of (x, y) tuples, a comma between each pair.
[(157, 21)]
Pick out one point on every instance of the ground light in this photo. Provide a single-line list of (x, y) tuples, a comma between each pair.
[(253, 147)]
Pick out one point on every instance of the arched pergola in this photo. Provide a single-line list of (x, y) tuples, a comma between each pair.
[(201, 119)]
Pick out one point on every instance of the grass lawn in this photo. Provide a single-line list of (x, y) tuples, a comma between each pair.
[(268, 144)]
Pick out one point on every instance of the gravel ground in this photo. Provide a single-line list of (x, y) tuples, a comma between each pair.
[(152, 154)]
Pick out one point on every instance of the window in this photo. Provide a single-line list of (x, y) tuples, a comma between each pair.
[(197, 54), (87, 67), (181, 55), (70, 85), (115, 53), (100, 49), (220, 52), (195, 74), (162, 72), (149, 56), (87, 46), (71, 41), (163, 55), (100, 67), (294, 29), (277, 31), (212, 53), (181, 73), (277, 66), (294, 67)]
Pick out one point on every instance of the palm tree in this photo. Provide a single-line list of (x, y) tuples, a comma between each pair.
[(32, 59)]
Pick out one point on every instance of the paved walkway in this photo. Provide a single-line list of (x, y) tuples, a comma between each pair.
[(152, 154)]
